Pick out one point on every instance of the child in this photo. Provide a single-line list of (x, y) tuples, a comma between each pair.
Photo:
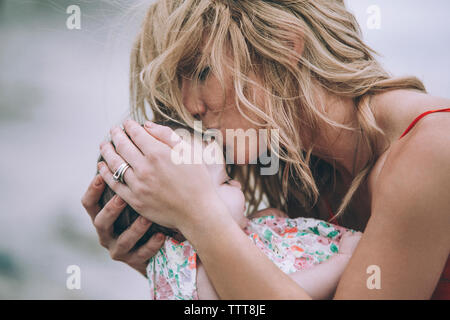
[(313, 252)]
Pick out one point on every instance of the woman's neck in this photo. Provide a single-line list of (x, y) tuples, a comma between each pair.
[(345, 149), (392, 110)]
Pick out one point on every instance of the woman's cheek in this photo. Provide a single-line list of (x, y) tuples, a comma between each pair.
[(240, 153)]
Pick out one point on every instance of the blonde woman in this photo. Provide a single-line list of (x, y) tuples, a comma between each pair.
[(299, 67)]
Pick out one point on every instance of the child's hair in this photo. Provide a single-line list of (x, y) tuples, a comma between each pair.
[(129, 215)]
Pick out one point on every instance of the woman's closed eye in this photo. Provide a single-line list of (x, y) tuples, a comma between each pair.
[(204, 74)]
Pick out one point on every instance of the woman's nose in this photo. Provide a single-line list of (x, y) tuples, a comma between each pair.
[(192, 102), (199, 112)]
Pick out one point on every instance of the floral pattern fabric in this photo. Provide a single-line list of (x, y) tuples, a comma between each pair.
[(292, 244)]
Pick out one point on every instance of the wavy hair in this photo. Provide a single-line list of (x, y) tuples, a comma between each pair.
[(259, 34)]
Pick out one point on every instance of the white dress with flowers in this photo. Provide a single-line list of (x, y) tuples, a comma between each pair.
[(292, 244)]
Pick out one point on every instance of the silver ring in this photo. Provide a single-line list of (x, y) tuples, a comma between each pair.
[(120, 172)]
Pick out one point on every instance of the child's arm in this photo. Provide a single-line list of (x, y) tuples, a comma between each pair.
[(320, 281), (205, 289)]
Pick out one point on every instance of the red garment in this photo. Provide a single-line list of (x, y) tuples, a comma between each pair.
[(442, 291)]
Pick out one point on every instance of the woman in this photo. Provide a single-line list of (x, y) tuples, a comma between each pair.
[(299, 67)]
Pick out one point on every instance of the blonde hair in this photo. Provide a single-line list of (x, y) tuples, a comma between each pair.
[(259, 35)]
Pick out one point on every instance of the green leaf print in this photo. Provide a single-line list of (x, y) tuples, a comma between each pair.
[(333, 234), (267, 235), (334, 248), (315, 230)]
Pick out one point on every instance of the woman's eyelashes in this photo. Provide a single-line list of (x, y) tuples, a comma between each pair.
[(204, 74), (228, 180)]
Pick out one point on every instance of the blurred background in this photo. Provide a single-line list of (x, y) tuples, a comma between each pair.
[(60, 92)]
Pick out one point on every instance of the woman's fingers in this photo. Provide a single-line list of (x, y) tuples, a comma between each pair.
[(144, 141), (92, 196), (125, 147), (104, 220), (163, 133), (128, 238), (119, 188), (114, 161), (149, 249)]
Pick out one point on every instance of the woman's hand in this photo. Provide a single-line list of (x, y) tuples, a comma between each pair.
[(103, 219), (183, 197), (170, 194)]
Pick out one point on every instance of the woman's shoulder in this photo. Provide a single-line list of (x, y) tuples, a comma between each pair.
[(413, 175), (395, 110), (426, 142)]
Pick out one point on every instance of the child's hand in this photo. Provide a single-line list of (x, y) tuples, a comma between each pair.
[(321, 280), (349, 242), (205, 289)]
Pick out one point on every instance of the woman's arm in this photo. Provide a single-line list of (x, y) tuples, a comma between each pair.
[(407, 235), (235, 266), (319, 282)]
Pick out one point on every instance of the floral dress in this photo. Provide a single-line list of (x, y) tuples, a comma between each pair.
[(292, 244)]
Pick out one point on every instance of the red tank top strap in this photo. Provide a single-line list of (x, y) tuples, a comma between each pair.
[(330, 213), (420, 117)]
